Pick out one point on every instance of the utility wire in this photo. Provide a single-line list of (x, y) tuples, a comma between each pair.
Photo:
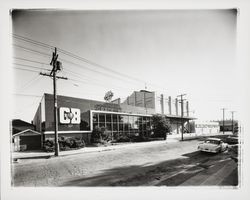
[(27, 95), (32, 41), (64, 60), (75, 56), (31, 66), (29, 70), (82, 59), (28, 60), (26, 85), (31, 50)]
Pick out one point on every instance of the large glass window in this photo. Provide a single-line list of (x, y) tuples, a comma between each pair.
[(114, 118), (115, 127), (95, 125), (101, 124), (136, 122), (109, 126), (123, 124), (101, 117), (120, 127), (120, 118), (108, 118), (95, 117)]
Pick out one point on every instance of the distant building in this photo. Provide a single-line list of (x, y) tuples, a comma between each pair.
[(204, 127), (229, 125), (24, 136)]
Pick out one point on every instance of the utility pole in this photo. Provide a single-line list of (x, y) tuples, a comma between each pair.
[(223, 121), (57, 66), (233, 121), (182, 115)]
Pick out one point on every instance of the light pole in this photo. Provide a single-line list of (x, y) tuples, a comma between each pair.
[(233, 121), (223, 121), (182, 115)]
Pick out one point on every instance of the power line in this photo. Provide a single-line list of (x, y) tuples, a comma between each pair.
[(29, 82), (82, 59), (31, 50), (34, 61), (29, 70), (31, 66), (32, 41), (27, 95), (75, 56)]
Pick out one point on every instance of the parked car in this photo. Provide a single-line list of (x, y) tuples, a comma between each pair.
[(232, 140), (213, 145)]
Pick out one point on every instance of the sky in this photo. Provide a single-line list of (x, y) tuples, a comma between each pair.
[(167, 51)]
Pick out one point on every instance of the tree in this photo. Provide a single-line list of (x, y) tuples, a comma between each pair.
[(161, 126)]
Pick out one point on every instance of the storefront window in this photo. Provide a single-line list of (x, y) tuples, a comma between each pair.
[(95, 117), (108, 126), (126, 127), (120, 127), (95, 125), (108, 118), (101, 117), (101, 124), (123, 124), (114, 118), (115, 127), (136, 122), (120, 118)]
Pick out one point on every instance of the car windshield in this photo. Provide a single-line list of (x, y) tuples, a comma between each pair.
[(212, 142)]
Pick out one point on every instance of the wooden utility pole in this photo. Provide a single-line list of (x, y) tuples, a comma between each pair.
[(57, 66), (182, 115), (233, 121), (223, 121)]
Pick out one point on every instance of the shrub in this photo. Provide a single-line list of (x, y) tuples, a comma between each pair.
[(64, 144), (100, 135), (96, 135), (123, 138)]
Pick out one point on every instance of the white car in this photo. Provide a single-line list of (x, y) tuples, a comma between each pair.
[(213, 145)]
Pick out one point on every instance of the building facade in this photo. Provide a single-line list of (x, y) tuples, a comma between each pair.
[(78, 117)]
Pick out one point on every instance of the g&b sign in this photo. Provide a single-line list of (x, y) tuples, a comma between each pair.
[(69, 115)]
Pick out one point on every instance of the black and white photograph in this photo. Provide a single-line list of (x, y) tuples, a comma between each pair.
[(126, 98)]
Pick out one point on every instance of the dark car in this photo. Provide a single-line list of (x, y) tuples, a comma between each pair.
[(232, 140)]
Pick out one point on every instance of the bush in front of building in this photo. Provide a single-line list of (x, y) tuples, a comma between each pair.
[(68, 143), (49, 145), (100, 135), (161, 126), (123, 138)]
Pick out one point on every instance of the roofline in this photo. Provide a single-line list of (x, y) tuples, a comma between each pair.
[(19, 133)]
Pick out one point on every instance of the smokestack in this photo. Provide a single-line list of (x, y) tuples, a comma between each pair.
[(176, 106), (187, 108), (162, 104), (169, 104)]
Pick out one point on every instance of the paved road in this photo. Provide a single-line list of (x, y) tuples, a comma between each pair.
[(170, 164)]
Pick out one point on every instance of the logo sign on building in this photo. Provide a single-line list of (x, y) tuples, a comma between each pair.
[(69, 115), (108, 107)]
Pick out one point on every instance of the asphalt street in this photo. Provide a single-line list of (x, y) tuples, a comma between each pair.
[(154, 164)]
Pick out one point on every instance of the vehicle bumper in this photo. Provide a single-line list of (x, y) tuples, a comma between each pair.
[(209, 150)]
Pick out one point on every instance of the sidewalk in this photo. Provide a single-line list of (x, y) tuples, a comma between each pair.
[(44, 155)]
